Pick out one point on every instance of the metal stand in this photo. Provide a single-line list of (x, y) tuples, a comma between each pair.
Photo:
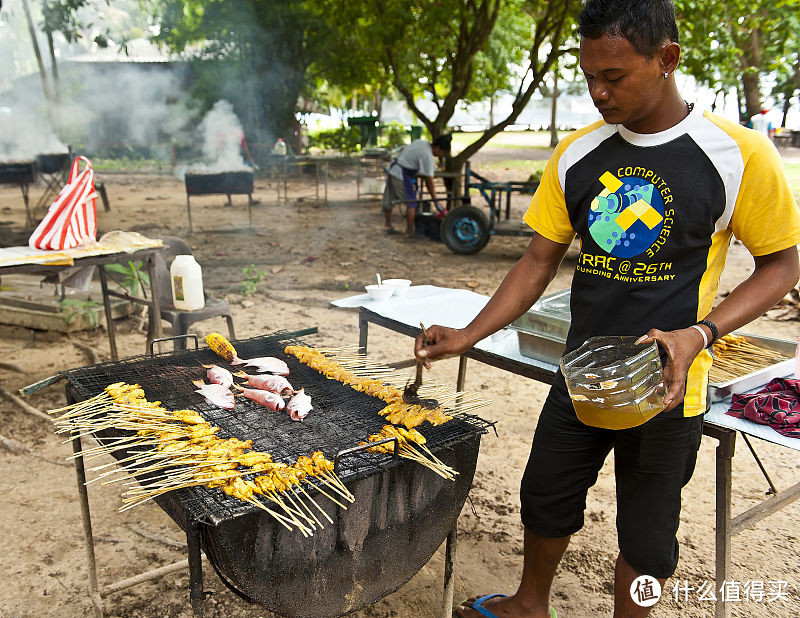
[(152, 302), (23, 186), (53, 183), (728, 526), (196, 594), (449, 572), (193, 563)]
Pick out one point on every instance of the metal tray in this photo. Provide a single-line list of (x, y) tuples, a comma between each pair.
[(549, 317), (753, 382), (541, 348), (543, 329)]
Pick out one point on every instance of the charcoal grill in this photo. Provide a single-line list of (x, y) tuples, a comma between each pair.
[(401, 515), (239, 182), (21, 173), (53, 170), (52, 163)]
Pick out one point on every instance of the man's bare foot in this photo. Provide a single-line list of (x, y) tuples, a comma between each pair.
[(503, 607)]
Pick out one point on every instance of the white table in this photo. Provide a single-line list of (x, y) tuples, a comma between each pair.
[(456, 308)]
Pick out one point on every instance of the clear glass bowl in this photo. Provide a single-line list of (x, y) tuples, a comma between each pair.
[(613, 382)]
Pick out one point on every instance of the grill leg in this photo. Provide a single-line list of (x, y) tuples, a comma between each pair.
[(363, 331), (86, 517), (449, 578), (189, 211), (196, 594), (462, 373)]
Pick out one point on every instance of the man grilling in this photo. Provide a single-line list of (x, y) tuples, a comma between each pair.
[(415, 159), (655, 191)]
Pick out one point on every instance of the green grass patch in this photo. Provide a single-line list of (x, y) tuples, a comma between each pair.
[(128, 164), (529, 167), (508, 139), (793, 175)]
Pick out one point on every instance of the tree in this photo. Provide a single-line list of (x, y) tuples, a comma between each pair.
[(730, 44), (254, 53), (453, 51)]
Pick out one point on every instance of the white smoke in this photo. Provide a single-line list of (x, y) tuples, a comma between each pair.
[(103, 100), (222, 135), (26, 132)]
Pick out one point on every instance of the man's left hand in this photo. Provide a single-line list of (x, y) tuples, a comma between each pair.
[(681, 346)]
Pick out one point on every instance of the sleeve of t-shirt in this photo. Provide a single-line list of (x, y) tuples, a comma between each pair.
[(766, 217), (547, 213)]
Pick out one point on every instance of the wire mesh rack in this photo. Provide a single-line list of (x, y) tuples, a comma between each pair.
[(341, 418)]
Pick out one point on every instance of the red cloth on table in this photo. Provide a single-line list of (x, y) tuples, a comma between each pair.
[(776, 405)]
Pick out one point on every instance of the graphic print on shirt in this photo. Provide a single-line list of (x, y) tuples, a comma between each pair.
[(627, 217)]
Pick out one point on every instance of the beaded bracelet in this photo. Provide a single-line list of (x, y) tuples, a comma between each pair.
[(713, 328)]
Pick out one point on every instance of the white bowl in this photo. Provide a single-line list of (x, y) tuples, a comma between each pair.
[(379, 292), (400, 286)]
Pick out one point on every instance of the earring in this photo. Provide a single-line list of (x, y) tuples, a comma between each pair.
[(666, 75)]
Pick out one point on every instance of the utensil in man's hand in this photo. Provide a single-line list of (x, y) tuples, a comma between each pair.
[(410, 393)]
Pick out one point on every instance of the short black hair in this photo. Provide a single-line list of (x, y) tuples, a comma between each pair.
[(647, 24), (443, 142)]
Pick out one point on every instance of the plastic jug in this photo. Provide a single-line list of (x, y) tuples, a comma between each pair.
[(187, 283), (613, 382)]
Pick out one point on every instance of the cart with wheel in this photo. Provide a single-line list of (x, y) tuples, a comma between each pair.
[(466, 229)]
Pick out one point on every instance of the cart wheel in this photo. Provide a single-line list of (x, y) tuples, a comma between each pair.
[(465, 230)]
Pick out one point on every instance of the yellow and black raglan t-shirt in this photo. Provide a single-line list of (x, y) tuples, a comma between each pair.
[(655, 214)]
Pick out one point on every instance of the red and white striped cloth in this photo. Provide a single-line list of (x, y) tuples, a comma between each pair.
[(71, 219)]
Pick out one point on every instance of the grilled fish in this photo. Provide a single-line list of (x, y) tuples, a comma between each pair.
[(299, 406), (268, 382), (268, 399), (216, 394), (264, 364), (219, 375)]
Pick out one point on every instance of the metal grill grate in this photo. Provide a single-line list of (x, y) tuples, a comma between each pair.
[(341, 418)]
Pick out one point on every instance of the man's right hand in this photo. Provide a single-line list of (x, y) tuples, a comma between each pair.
[(442, 341)]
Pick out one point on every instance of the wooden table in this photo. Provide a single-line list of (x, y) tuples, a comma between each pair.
[(142, 255), (456, 308)]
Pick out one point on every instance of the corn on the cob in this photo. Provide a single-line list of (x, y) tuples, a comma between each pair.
[(221, 346)]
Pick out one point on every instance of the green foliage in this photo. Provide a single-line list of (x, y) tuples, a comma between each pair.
[(505, 50), (450, 52), (257, 54), (253, 276), (130, 276), (344, 139), (393, 135), (86, 309), (730, 44)]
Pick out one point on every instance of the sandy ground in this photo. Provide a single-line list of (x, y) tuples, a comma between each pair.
[(312, 253)]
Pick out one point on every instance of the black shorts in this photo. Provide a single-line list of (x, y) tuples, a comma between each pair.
[(652, 464)]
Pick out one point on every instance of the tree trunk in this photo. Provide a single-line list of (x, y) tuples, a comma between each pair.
[(378, 102), (752, 96), (751, 64), (53, 65), (553, 101), (787, 103), (491, 111), (42, 72)]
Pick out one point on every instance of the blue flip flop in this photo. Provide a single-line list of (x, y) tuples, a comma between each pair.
[(477, 605)]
